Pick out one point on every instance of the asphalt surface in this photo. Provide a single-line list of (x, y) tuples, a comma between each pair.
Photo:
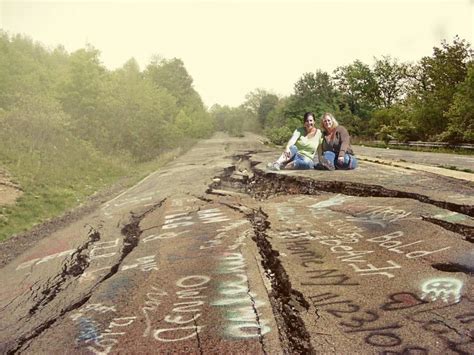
[(446, 160), (216, 254)]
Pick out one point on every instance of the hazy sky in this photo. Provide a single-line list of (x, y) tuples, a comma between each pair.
[(231, 47)]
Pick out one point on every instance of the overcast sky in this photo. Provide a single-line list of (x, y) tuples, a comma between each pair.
[(231, 47)]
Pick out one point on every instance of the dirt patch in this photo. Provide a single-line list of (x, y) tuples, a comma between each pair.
[(9, 191)]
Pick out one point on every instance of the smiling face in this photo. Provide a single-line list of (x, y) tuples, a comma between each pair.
[(309, 123), (328, 122)]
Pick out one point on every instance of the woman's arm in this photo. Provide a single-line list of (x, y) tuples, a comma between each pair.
[(345, 141), (293, 139), (319, 148)]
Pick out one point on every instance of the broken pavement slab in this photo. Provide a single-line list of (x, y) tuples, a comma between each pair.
[(420, 167), (213, 253)]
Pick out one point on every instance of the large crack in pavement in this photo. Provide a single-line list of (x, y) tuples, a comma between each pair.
[(75, 266), (244, 179), (257, 316), (285, 300), (131, 233), (466, 231), (279, 183)]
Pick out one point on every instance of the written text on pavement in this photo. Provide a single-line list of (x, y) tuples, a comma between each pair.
[(215, 254)]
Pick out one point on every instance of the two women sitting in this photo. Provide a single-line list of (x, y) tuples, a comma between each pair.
[(311, 148)]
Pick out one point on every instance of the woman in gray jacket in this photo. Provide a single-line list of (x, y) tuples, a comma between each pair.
[(336, 146)]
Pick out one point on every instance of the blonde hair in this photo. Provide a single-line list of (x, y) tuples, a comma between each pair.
[(334, 121)]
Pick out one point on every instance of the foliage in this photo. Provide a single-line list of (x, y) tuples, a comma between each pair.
[(259, 103), (69, 126), (359, 88), (436, 80), (391, 79), (461, 113), (278, 135), (428, 100), (313, 92), (233, 120)]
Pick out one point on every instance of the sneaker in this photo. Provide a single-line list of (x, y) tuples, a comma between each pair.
[(326, 164), (273, 166)]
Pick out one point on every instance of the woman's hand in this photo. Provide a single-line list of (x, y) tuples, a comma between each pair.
[(340, 161), (287, 153)]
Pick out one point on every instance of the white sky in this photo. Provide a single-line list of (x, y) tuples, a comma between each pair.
[(231, 47)]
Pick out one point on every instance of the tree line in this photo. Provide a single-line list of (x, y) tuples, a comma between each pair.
[(430, 100), (125, 111), (70, 127)]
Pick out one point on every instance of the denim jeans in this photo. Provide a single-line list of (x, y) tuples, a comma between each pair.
[(350, 161), (299, 160)]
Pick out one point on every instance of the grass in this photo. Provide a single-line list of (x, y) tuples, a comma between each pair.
[(60, 184)]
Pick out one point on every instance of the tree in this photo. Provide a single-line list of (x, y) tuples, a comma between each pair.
[(81, 87), (259, 103), (461, 113), (434, 82), (359, 88), (391, 79), (313, 92), (173, 76), (230, 119)]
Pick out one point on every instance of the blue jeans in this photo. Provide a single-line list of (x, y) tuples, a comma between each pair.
[(299, 160), (350, 161)]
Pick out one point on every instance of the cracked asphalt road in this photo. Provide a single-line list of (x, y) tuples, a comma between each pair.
[(215, 254)]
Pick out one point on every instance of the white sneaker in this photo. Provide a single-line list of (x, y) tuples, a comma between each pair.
[(273, 166)]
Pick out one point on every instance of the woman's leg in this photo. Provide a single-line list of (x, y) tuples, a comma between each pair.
[(327, 161), (350, 162), (302, 162), (284, 159)]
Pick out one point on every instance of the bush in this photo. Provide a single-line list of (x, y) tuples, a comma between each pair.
[(278, 135)]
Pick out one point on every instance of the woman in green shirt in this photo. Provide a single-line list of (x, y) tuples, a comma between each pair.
[(301, 150)]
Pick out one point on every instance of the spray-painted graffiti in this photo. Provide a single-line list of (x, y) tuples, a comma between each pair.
[(212, 215), (162, 236), (190, 287), (184, 219), (447, 289), (177, 220), (243, 319), (152, 301), (221, 235), (120, 201), (354, 319), (107, 339), (37, 261), (381, 215), (451, 324), (104, 249), (88, 330), (333, 201), (89, 333), (146, 263)]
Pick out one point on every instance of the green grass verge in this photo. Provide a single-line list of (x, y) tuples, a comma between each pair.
[(67, 185)]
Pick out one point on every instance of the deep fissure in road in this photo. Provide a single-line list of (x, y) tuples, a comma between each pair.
[(261, 185), (131, 233), (284, 299), (243, 178), (75, 266), (283, 295)]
